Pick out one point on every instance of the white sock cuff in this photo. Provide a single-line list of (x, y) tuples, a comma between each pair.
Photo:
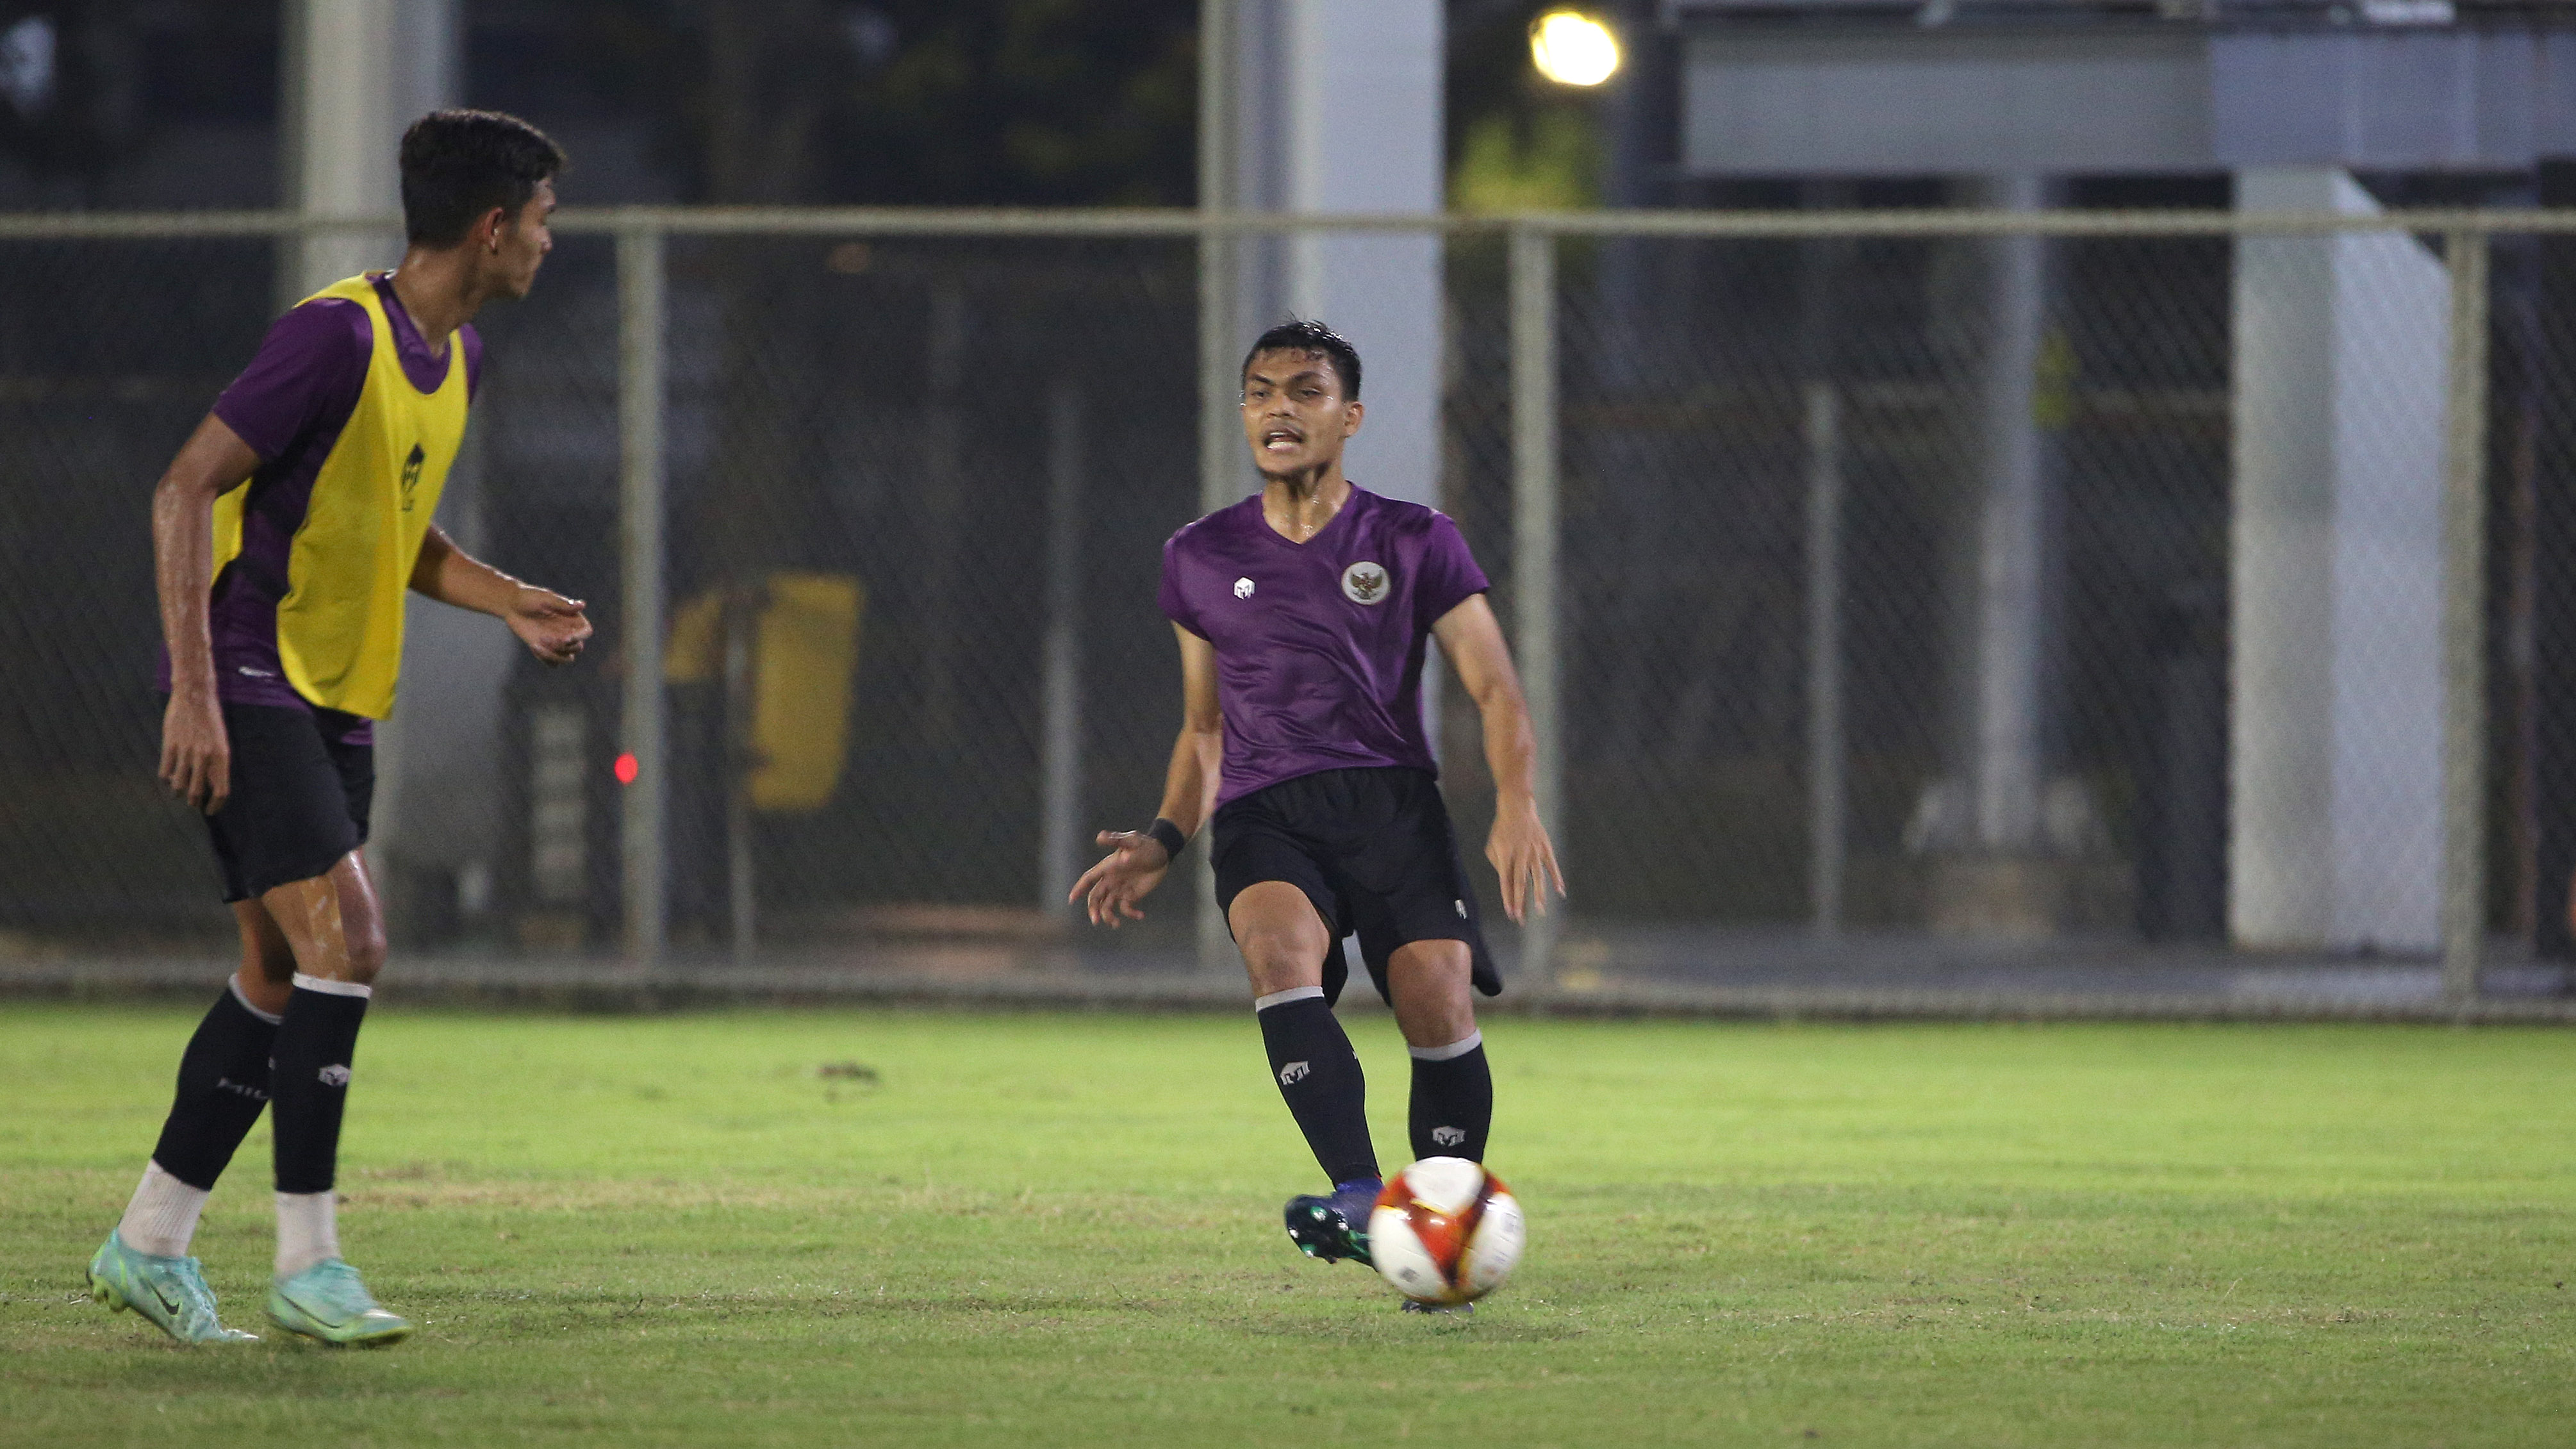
[(271, 1017), (163, 1215), (1282, 998), (329, 987), (308, 1230), (1452, 1051)]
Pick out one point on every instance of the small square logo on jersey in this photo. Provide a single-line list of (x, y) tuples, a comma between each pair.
[(411, 474), (1364, 583), (1243, 588)]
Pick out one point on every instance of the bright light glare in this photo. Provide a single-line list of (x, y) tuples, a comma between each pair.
[(1573, 49)]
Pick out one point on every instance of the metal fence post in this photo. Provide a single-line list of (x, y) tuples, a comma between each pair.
[(1825, 757), (1220, 385), (1534, 541), (1220, 454), (2464, 714), (639, 512), (1060, 738)]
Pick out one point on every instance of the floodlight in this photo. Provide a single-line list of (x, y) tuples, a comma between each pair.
[(1573, 49)]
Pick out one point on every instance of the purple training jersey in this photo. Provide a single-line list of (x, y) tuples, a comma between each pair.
[(289, 405), (1319, 645)]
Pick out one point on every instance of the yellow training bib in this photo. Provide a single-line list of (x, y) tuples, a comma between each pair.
[(340, 624)]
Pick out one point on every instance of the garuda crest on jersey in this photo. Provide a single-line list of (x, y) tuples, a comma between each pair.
[(1364, 583)]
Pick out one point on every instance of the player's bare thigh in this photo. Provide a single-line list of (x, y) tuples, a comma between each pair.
[(330, 924), (1281, 937), (1427, 983)]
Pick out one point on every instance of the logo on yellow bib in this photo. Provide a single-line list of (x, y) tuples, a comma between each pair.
[(411, 474)]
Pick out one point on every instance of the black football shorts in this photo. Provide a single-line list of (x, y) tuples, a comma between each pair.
[(1374, 851), (300, 795)]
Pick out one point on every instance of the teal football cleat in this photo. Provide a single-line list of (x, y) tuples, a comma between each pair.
[(171, 1293), (326, 1301)]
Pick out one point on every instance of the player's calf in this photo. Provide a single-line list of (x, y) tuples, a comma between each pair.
[(1453, 1099), (339, 947), (1452, 1108), (223, 1085), (1319, 1077)]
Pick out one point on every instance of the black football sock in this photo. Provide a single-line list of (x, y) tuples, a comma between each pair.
[(223, 1084), (309, 1079), (1312, 1061), (1453, 1099)]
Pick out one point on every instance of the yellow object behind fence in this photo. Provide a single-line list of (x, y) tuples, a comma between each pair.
[(804, 665)]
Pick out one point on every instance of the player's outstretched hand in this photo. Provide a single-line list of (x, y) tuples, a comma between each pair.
[(196, 754), (553, 627), (1525, 859), (1110, 890)]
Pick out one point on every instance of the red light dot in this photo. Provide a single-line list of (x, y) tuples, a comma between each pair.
[(626, 768)]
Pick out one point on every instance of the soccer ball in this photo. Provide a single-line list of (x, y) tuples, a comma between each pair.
[(1446, 1231)]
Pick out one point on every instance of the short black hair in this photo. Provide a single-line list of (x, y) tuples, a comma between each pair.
[(1304, 334), (457, 165)]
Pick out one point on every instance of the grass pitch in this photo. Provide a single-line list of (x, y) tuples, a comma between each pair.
[(1063, 1229)]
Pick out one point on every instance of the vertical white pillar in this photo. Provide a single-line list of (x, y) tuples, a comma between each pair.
[(1337, 108), (2336, 676), (1362, 124), (357, 73), (1334, 106)]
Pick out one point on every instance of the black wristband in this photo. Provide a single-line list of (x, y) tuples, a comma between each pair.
[(1174, 842)]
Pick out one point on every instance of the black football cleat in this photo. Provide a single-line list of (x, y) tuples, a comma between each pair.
[(1335, 1227)]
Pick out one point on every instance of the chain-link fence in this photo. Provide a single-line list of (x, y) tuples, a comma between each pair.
[(1888, 585)]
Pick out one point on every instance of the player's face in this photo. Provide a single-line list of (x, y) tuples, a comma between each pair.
[(520, 243), (1294, 414)]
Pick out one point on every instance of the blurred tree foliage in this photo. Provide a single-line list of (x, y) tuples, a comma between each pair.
[(895, 102), (1516, 141), (87, 85)]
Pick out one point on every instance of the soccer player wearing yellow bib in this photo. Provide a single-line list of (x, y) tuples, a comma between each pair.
[(283, 537)]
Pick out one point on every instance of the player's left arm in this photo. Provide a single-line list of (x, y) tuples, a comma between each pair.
[(553, 627), (1519, 848)]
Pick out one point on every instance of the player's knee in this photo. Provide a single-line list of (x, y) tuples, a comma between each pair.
[(366, 954), (1264, 948), (268, 964), (1434, 1029), (1279, 959), (264, 992)]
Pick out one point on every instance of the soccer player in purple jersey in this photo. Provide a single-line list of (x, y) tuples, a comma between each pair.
[(1304, 616), (312, 484)]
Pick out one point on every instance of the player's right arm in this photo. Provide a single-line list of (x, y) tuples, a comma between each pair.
[(1137, 862), (196, 758)]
